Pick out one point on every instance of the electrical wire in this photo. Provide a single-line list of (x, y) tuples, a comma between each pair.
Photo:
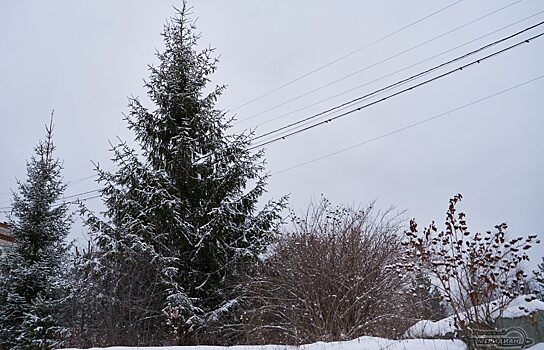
[(399, 92), (80, 194), (73, 182), (70, 182), (395, 72), (64, 197), (376, 63), (7, 210), (77, 201), (346, 55), (408, 126), (401, 82)]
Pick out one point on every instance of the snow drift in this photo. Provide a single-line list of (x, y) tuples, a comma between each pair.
[(517, 308)]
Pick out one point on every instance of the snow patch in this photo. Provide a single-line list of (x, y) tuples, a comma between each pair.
[(517, 308)]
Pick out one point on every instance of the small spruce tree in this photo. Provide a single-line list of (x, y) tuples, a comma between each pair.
[(539, 274), (426, 299), (181, 219), (32, 270)]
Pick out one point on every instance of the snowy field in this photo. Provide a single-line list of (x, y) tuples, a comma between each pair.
[(520, 306), (363, 343)]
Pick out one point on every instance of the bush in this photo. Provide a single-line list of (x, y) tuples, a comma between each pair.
[(326, 278), (478, 274)]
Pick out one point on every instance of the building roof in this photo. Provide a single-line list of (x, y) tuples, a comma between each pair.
[(5, 235)]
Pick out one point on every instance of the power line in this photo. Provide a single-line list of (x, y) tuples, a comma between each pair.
[(346, 55), (344, 106), (75, 181), (2, 209), (399, 83), (70, 182), (409, 126), (397, 71), (65, 197), (397, 93), (376, 63), (80, 194), (78, 200)]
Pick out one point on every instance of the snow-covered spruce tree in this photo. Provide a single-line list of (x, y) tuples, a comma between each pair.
[(32, 272), (425, 299), (182, 220), (539, 276)]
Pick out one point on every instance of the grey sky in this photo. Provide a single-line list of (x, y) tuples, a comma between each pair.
[(84, 58)]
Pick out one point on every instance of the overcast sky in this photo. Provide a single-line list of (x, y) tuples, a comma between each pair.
[(83, 59)]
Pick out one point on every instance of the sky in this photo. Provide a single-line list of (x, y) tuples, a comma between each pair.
[(83, 60)]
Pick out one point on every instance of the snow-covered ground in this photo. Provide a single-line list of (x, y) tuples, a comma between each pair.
[(517, 308), (363, 343)]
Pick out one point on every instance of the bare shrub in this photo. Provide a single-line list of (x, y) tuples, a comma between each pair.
[(326, 279), (478, 274), (110, 305)]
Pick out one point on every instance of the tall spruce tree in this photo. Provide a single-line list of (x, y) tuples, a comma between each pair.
[(32, 271), (182, 220)]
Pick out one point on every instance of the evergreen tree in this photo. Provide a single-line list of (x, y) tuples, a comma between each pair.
[(539, 274), (32, 286), (426, 299), (182, 220)]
